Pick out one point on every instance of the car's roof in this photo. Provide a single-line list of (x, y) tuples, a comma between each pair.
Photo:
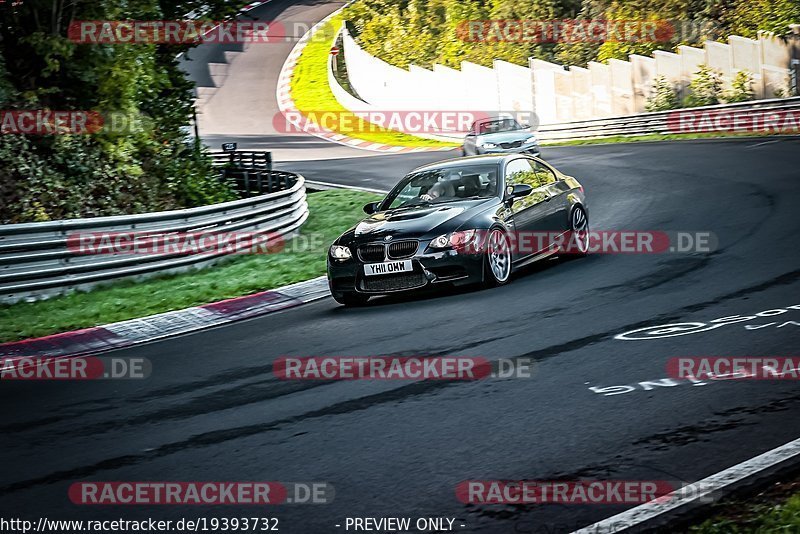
[(457, 162), (502, 116), (494, 118)]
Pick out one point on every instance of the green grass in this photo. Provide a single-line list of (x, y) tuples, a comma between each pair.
[(757, 518), (654, 137), (312, 94), (331, 212)]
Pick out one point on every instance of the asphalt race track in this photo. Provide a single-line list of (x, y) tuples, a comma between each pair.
[(244, 108), (214, 410)]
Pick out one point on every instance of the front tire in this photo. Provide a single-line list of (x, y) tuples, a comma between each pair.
[(497, 260), (350, 299)]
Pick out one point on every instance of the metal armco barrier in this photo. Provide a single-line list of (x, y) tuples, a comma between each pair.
[(655, 122), (249, 172), (36, 262), (242, 159)]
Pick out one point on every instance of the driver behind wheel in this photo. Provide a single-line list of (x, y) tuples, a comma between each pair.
[(444, 188)]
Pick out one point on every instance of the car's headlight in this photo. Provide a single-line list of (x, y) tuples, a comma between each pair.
[(462, 238), (488, 145), (531, 139), (340, 253), (457, 240), (443, 241)]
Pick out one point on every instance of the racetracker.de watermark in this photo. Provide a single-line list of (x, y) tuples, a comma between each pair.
[(727, 120), (174, 32), (78, 368), (593, 242), (192, 32), (400, 368), (74, 122), (563, 492), (49, 122), (179, 493), (565, 31), (734, 367), (434, 122), (187, 243)]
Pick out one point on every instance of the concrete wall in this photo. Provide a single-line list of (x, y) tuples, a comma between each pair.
[(643, 72), (554, 93)]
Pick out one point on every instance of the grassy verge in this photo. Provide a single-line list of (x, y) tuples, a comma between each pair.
[(331, 212), (754, 517), (312, 94), (654, 137)]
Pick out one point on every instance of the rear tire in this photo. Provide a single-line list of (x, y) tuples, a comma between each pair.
[(350, 299), (579, 232)]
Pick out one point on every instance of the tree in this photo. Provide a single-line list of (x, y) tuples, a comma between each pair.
[(139, 169)]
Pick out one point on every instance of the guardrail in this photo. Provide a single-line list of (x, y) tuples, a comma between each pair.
[(654, 122), (244, 159), (36, 260), (249, 172)]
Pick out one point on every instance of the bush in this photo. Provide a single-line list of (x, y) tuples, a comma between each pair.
[(704, 89), (664, 96), (741, 88)]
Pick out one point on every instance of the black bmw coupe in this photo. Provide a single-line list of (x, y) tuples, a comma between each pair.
[(460, 221)]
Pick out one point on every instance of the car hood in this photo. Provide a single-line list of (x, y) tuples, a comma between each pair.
[(416, 221), (506, 137)]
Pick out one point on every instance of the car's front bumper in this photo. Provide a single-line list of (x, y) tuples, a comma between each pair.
[(529, 148), (429, 269)]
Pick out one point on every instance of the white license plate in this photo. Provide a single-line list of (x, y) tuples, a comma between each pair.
[(389, 267)]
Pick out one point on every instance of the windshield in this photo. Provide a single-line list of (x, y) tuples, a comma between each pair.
[(499, 125), (446, 184)]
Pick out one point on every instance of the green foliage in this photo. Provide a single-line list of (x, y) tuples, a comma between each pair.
[(151, 167), (747, 17), (425, 32), (704, 89), (760, 518), (741, 88), (664, 96), (312, 93)]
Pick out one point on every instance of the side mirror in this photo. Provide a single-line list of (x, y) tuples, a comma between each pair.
[(371, 208), (526, 126), (520, 190)]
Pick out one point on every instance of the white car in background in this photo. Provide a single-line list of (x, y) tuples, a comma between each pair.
[(499, 135)]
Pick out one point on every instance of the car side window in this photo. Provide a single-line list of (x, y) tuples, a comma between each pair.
[(544, 175), (520, 171)]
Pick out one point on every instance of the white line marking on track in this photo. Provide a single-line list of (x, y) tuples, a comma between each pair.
[(694, 492), (764, 143)]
